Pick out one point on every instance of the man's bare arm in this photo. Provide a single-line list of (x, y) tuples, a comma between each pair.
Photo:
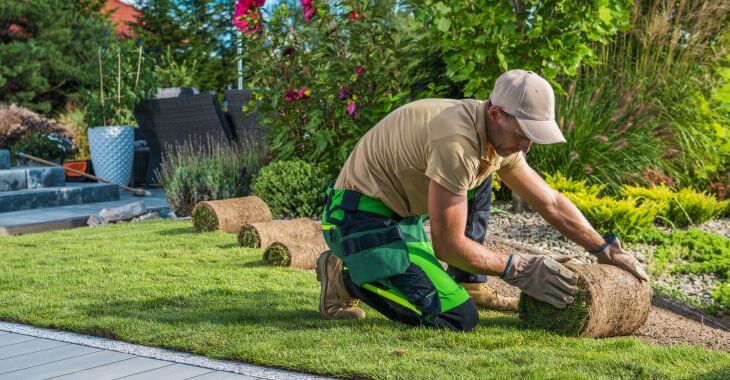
[(447, 212), (555, 208)]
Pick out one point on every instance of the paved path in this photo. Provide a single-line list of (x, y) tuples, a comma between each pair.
[(56, 218), (28, 353)]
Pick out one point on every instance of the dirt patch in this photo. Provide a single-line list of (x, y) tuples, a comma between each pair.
[(261, 235), (230, 215)]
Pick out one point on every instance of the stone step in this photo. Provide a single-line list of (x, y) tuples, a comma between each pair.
[(31, 177), (71, 194)]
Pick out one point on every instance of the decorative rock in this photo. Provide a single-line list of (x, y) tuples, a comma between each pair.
[(4, 159), (126, 212), (149, 215)]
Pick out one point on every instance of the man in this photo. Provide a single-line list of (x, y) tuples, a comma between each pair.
[(436, 157)]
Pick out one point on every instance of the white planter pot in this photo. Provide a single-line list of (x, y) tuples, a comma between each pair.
[(112, 152)]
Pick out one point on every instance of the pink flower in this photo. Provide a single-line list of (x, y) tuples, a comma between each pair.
[(304, 93), (309, 10), (247, 17), (353, 16), (351, 109), (359, 70), (291, 96), (344, 93)]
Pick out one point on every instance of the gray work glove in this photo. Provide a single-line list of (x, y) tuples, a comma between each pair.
[(541, 277), (613, 254)]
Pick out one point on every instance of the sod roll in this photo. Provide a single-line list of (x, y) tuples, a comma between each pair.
[(258, 235), (230, 215), (301, 254), (610, 302)]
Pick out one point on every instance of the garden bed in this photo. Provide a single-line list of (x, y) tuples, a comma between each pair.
[(158, 283), (694, 290)]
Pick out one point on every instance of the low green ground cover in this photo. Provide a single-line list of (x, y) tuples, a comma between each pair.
[(158, 283), (695, 252)]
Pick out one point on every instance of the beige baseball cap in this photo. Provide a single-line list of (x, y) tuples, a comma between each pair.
[(530, 98)]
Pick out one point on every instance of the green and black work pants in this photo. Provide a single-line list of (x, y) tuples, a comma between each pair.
[(390, 265)]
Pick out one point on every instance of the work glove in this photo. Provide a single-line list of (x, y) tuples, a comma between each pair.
[(612, 253), (542, 278)]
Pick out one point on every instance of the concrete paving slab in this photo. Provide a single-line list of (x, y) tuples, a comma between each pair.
[(28, 347), (94, 350), (55, 354), (72, 216)]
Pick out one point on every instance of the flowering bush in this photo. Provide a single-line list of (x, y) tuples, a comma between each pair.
[(327, 72), (48, 147)]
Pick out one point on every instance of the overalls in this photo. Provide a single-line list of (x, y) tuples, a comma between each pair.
[(390, 264)]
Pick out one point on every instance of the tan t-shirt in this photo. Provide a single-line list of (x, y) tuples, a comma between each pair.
[(439, 139)]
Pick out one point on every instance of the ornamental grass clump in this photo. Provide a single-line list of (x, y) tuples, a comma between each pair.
[(196, 171)]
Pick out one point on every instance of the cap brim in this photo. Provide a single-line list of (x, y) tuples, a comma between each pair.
[(541, 131)]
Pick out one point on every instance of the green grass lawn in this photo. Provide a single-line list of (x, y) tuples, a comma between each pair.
[(158, 283)]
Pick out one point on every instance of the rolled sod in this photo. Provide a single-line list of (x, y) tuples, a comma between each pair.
[(610, 302), (230, 215), (301, 254), (258, 235)]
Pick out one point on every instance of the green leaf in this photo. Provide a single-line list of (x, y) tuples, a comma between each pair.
[(604, 14), (443, 24)]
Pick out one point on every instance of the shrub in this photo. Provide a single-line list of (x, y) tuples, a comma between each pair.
[(124, 78), (16, 122), (327, 74), (47, 147), (481, 39), (691, 207), (196, 172), (624, 216), (567, 185), (73, 120), (47, 50), (683, 208), (650, 103), (291, 189)]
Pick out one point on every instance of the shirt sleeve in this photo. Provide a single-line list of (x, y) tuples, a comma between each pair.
[(452, 163), (512, 163)]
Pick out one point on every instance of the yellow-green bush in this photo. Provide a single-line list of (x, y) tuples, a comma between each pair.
[(682, 208), (626, 217), (692, 207), (565, 184)]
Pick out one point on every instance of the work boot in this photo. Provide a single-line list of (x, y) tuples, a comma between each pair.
[(485, 297), (334, 300)]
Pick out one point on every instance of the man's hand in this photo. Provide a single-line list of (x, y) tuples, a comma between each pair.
[(616, 256), (543, 278)]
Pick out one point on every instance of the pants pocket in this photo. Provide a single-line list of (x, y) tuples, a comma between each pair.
[(375, 254)]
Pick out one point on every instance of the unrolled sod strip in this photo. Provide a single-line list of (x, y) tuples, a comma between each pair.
[(610, 302), (258, 235), (302, 254), (230, 215)]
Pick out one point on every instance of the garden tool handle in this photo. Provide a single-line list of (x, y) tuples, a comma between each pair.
[(137, 192)]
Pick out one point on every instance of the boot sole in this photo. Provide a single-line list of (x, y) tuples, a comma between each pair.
[(322, 278)]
